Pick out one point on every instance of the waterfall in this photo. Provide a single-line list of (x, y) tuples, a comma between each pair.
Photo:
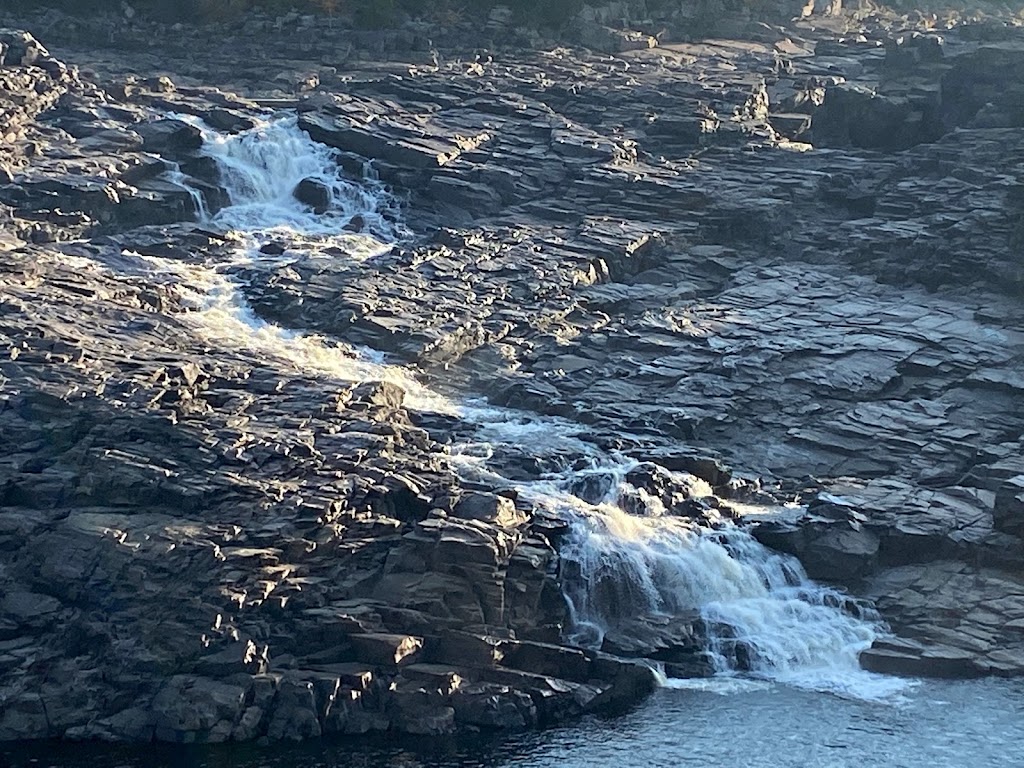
[(627, 561), (758, 611), (260, 170)]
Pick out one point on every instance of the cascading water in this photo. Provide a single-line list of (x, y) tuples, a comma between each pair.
[(630, 576), (259, 171), (759, 611)]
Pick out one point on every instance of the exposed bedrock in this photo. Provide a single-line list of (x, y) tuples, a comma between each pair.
[(203, 539)]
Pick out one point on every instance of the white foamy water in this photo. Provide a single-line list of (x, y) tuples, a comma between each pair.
[(763, 614), (260, 169)]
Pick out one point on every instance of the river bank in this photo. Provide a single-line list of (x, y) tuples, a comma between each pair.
[(949, 724), (253, 299)]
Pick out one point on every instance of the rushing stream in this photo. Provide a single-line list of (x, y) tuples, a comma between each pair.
[(801, 699), (758, 605)]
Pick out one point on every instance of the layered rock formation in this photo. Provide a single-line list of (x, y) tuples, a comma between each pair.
[(789, 267)]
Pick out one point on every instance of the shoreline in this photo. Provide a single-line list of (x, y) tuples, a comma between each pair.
[(774, 270)]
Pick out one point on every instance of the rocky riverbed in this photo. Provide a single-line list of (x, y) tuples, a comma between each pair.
[(242, 494)]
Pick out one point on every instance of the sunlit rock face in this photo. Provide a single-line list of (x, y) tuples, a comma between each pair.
[(348, 397)]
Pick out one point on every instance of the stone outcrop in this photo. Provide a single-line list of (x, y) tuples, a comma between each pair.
[(205, 541), (952, 619)]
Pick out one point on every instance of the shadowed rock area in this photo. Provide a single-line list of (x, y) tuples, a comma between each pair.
[(780, 267)]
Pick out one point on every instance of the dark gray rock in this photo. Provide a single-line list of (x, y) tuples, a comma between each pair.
[(633, 253), (314, 194), (169, 137), (1009, 506)]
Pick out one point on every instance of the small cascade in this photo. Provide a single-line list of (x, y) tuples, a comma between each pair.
[(631, 568), (633, 575), (260, 170), (174, 175)]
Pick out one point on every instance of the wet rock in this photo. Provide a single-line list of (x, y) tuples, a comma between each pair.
[(842, 551), (629, 682), (227, 120), (24, 718), (901, 657), (169, 137), (494, 707), (294, 716), (132, 724), (673, 493), (383, 394), (314, 194), (678, 640)]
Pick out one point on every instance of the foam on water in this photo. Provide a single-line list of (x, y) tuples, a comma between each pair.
[(260, 169), (762, 614), (619, 566), (223, 317)]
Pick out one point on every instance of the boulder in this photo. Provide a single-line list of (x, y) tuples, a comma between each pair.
[(951, 619), (856, 116), (677, 639), (990, 80), (627, 683), (315, 194), (377, 394), (664, 491), (465, 649), (831, 550), (1008, 511), (295, 715), (196, 709), (487, 705), (490, 508), (169, 137), (21, 49)]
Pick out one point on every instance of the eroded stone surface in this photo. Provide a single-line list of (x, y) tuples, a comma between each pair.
[(233, 547)]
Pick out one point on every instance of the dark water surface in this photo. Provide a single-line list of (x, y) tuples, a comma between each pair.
[(977, 724)]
